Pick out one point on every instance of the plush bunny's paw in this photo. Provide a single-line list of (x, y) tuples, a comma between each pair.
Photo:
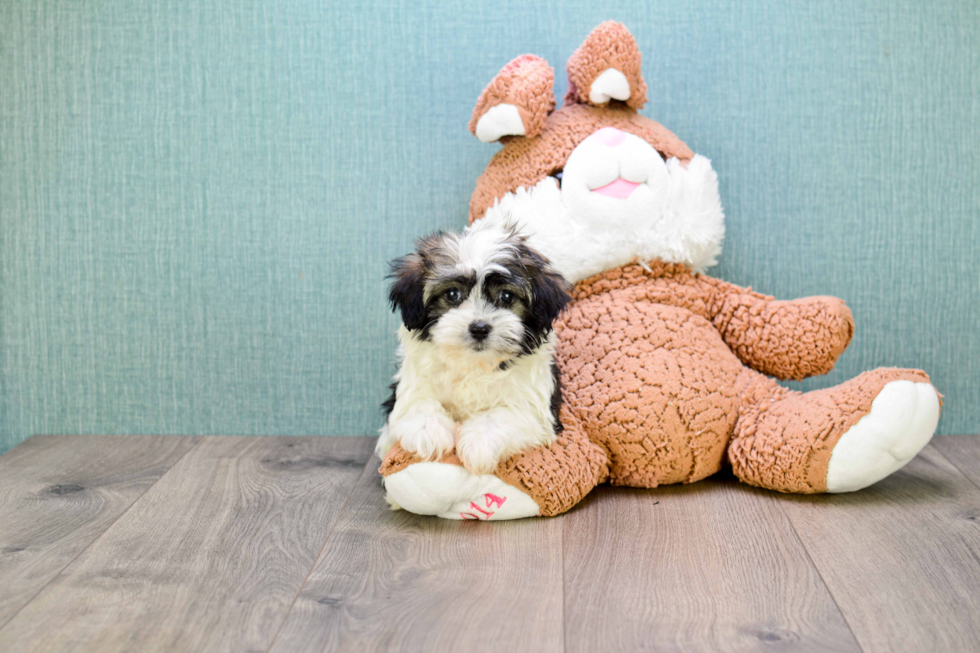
[(901, 422), (451, 492)]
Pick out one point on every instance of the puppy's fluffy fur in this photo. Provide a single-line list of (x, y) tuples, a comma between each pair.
[(476, 348)]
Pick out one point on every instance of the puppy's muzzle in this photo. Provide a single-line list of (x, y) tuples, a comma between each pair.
[(479, 331)]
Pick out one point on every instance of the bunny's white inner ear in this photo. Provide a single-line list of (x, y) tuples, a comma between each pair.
[(500, 120), (610, 85)]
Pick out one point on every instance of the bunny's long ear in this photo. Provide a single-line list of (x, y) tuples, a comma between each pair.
[(516, 102), (606, 67)]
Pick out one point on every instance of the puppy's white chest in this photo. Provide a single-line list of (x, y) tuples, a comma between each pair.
[(465, 390)]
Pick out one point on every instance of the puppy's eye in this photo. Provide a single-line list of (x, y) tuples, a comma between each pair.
[(452, 295), (506, 297)]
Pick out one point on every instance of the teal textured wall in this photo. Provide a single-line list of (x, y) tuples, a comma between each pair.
[(197, 198)]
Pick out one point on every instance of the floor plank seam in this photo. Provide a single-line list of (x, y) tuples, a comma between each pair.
[(316, 559), (974, 483), (958, 468), (813, 564), (194, 446), (969, 478)]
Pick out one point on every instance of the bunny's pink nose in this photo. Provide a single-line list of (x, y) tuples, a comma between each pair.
[(610, 136)]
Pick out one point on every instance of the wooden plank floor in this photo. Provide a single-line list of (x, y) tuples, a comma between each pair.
[(285, 544)]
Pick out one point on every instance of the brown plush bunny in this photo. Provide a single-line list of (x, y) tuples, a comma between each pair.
[(667, 373)]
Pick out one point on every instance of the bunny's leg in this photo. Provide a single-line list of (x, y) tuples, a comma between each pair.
[(839, 439), (544, 481)]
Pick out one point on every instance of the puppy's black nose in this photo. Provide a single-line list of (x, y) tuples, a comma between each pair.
[(479, 330)]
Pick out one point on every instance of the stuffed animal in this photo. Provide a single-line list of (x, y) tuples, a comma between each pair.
[(667, 374)]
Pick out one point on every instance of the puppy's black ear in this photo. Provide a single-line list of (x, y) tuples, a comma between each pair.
[(549, 290), (407, 290)]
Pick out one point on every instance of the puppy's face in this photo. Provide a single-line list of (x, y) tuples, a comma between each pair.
[(484, 292)]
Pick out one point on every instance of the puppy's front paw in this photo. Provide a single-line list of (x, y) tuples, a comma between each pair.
[(479, 447), (426, 431)]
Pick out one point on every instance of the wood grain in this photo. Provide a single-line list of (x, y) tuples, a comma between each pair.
[(59, 493), (963, 451), (209, 559), (713, 566), (901, 558), (245, 544), (393, 581)]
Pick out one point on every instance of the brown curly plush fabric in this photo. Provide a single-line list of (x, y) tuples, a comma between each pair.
[(610, 45), (665, 367), (559, 476), (528, 83), (786, 339), (398, 459), (783, 439)]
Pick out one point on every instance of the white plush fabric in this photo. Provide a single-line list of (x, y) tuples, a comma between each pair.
[(902, 420), (500, 120), (609, 85), (674, 214), (451, 492)]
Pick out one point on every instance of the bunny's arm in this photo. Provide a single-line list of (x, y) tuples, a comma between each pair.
[(787, 339)]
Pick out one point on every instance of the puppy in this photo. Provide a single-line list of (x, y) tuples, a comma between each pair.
[(476, 348)]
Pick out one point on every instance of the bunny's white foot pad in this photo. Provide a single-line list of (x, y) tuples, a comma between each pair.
[(452, 492), (901, 422)]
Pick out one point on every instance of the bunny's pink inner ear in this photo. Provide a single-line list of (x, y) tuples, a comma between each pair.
[(607, 67), (516, 102)]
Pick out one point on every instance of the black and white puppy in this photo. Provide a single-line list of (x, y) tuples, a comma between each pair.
[(476, 348)]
